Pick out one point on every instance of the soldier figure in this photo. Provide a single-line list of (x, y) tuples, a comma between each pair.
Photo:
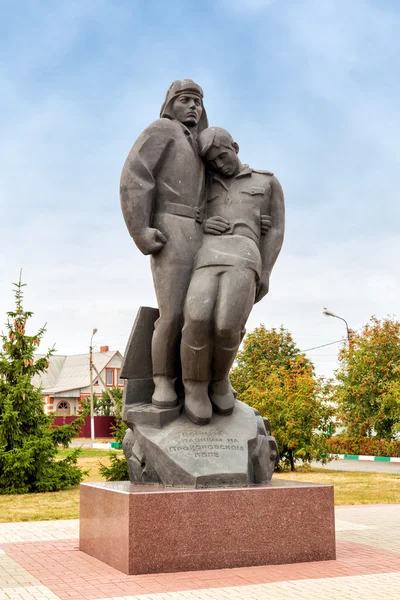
[(163, 198), (231, 272)]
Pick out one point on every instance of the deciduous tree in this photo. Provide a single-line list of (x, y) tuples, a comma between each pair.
[(273, 376), (368, 391)]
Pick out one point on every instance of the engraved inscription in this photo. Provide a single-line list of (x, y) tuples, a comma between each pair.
[(206, 446)]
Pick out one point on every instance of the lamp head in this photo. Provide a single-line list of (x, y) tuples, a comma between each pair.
[(327, 312)]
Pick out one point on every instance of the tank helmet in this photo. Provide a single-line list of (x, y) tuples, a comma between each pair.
[(214, 137), (177, 88)]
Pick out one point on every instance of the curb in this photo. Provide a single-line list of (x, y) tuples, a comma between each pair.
[(106, 446), (395, 459)]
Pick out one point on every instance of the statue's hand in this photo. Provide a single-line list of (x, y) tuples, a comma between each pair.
[(262, 288), (215, 225), (266, 224), (150, 241)]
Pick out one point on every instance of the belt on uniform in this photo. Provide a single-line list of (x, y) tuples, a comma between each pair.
[(182, 210), (244, 230)]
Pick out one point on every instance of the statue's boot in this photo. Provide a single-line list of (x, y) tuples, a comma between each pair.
[(222, 396), (195, 362), (197, 403), (164, 395), (222, 393)]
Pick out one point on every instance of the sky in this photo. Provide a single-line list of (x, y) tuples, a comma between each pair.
[(308, 88)]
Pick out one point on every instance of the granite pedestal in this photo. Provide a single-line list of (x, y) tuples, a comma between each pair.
[(152, 529)]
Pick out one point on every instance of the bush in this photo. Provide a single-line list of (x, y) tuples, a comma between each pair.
[(363, 446), (119, 429), (104, 406), (117, 471)]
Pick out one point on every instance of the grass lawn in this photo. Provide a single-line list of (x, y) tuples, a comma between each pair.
[(350, 488), (53, 505)]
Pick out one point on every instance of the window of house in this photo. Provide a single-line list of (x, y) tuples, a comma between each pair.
[(110, 377), (121, 381), (63, 409)]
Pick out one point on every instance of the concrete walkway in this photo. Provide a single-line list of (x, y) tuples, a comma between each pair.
[(41, 560), (360, 465)]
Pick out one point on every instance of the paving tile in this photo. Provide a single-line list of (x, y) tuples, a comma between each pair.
[(373, 587), (58, 570), (33, 531), (373, 525), (42, 560)]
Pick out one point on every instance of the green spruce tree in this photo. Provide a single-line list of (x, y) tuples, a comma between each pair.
[(28, 443)]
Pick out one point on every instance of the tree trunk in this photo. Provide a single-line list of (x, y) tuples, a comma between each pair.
[(291, 459)]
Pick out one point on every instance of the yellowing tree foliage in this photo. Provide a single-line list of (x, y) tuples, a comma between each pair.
[(273, 376), (368, 391)]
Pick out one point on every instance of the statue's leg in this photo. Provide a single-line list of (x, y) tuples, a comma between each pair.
[(234, 304), (196, 345), (171, 282)]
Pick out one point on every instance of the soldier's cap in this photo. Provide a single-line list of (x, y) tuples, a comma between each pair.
[(214, 137), (177, 88)]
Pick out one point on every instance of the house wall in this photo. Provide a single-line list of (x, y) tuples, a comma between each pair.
[(48, 404), (115, 366), (52, 405), (72, 403), (115, 362)]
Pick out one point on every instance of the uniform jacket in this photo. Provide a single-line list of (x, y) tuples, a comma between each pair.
[(163, 173), (241, 202)]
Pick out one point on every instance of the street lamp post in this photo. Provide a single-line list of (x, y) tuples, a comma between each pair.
[(328, 313), (91, 385)]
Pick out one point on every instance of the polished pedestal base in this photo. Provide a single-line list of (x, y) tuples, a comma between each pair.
[(150, 529)]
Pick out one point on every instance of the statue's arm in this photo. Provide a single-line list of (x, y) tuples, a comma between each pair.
[(138, 188), (213, 224), (271, 242)]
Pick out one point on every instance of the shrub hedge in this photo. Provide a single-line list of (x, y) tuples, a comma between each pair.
[(365, 446)]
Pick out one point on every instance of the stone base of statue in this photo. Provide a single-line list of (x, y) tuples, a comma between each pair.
[(234, 450), (151, 529), (163, 446)]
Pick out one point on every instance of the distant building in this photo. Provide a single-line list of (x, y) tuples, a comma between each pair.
[(66, 383)]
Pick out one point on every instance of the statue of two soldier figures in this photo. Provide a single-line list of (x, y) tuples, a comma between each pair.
[(213, 228)]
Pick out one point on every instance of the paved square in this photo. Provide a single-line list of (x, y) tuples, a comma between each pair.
[(41, 560)]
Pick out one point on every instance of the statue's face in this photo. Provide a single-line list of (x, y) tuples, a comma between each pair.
[(223, 160), (188, 109)]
